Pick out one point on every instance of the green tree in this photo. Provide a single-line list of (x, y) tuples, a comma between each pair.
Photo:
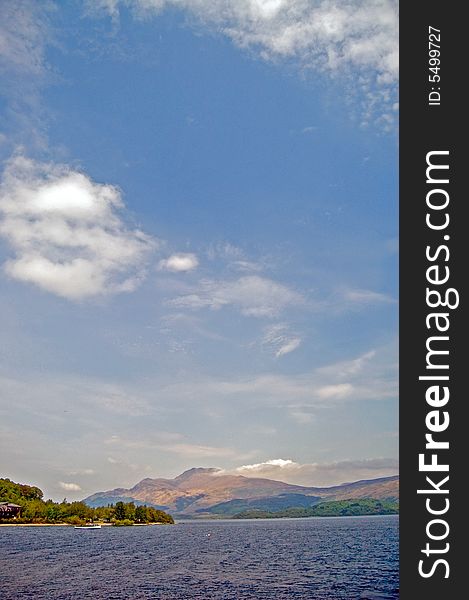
[(141, 514), (103, 513), (130, 511), (119, 511), (35, 510), (158, 516), (53, 511)]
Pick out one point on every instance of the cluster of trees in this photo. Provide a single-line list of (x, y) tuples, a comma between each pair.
[(333, 508), (127, 513), (37, 510)]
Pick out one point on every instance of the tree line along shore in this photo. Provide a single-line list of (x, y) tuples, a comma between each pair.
[(334, 508), (29, 507)]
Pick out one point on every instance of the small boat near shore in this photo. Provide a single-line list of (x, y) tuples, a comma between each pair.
[(92, 526)]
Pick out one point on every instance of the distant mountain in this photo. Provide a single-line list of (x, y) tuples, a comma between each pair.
[(209, 492)]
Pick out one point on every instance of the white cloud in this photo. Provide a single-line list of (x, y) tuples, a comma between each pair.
[(112, 399), (288, 347), (299, 395), (198, 451), (235, 258), (66, 232), (225, 250), (181, 262), (275, 462), (361, 297), (172, 443), (70, 487), (338, 391), (25, 33), (279, 340), (347, 368), (301, 417), (321, 474), (91, 404), (247, 266), (82, 472), (357, 38), (252, 295), (22, 37)]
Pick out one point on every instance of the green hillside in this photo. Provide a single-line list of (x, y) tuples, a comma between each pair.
[(37, 510), (334, 508)]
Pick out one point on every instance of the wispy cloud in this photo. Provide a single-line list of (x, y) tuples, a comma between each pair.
[(82, 472), (361, 297), (81, 396), (358, 39), (67, 233), (337, 391), (301, 417), (252, 295), (95, 402), (347, 368), (246, 266), (279, 340), (25, 33), (301, 395), (235, 258), (180, 262), (173, 443), (23, 28)]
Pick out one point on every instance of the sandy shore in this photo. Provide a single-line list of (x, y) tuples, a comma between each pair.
[(35, 525)]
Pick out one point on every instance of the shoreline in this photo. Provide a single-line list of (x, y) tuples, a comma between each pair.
[(69, 525), (35, 525)]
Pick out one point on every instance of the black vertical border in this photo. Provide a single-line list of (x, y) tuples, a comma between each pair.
[(425, 128)]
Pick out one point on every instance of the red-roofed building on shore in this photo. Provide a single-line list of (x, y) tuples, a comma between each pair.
[(8, 510)]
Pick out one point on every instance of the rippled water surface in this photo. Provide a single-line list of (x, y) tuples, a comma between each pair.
[(333, 558)]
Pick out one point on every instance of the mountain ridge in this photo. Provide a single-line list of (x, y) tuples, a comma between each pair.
[(204, 491)]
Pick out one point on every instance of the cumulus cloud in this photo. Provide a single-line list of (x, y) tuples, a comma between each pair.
[(70, 487), (358, 38), (251, 295), (66, 232), (177, 263), (321, 474), (279, 340)]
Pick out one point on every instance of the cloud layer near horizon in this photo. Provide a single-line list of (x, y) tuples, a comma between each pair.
[(321, 474), (66, 231)]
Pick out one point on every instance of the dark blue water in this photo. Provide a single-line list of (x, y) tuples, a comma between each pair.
[(333, 558)]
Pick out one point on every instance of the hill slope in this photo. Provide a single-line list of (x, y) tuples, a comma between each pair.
[(201, 491)]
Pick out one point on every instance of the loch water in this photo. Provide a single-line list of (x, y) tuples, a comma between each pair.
[(343, 558)]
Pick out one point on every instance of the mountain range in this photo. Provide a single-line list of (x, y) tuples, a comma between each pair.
[(204, 492)]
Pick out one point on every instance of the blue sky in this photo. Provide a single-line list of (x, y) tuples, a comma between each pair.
[(198, 241)]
